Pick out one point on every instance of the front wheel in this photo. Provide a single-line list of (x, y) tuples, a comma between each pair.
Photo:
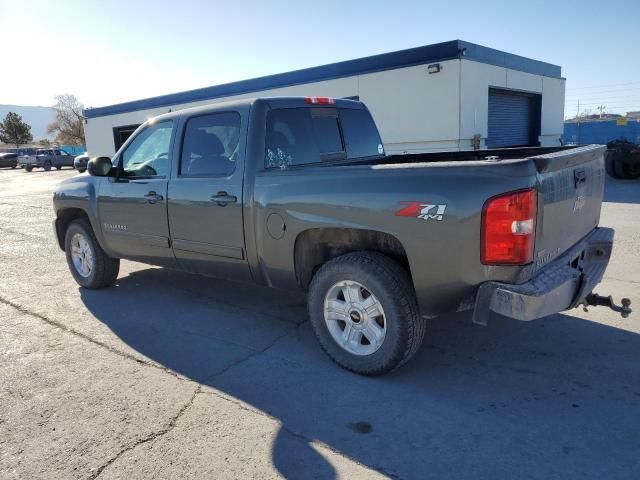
[(47, 165), (28, 169), (90, 266), (364, 313), (59, 167)]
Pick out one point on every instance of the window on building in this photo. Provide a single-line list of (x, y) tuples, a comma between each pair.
[(122, 134)]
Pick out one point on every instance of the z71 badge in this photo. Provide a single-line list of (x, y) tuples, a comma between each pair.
[(425, 211)]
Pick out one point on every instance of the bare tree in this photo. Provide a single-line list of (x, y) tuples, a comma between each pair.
[(69, 123)]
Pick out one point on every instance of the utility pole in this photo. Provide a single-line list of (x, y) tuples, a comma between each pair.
[(578, 117), (601, 108)]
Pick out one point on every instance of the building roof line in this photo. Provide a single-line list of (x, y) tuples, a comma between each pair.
[(376, 63)]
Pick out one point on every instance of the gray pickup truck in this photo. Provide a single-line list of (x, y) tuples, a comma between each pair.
[(297, 193), (46, 158)]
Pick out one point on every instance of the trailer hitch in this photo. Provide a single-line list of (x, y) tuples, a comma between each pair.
[(593, 299)]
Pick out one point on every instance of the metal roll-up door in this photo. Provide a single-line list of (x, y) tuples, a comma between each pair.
[(512, 119)]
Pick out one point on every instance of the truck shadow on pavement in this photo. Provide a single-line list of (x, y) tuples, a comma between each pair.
[(621, 191), (556, 398)]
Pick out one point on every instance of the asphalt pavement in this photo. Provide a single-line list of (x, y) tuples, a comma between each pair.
[(169, 375)]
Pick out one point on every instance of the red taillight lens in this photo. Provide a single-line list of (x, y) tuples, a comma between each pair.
[(509, 228), (320, 100)]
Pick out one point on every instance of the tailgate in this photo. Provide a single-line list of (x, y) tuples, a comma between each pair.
[(27, 160), (571, 186)]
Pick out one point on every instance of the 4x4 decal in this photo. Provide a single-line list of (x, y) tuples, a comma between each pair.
[(425, 211)]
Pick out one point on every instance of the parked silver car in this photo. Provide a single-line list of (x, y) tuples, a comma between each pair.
[(46, 159), (8, 160), (80, 162)]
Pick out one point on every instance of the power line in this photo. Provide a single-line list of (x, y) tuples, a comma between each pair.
[(604, 86), (619, 111), (614, 102), (617, 90), (605, 95), (600, 99)]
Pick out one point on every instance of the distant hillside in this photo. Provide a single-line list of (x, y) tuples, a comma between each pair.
[(37, 117)]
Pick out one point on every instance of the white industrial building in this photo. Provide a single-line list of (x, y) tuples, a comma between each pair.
[(448, 96)]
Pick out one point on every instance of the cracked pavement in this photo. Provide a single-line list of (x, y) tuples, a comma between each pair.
[(168, 375)]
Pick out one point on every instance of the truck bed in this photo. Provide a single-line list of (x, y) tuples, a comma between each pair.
[(464, 156)]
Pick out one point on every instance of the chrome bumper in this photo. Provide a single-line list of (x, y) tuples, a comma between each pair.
[(561, 285)]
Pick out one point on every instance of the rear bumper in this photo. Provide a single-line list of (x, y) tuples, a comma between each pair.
[(29, 162), (559, 286)]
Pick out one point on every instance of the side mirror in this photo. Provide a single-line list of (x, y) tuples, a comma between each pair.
[(99, 167)]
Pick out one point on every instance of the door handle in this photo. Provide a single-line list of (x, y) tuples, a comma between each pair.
[(153, 197), (223, 198), (579, 176)]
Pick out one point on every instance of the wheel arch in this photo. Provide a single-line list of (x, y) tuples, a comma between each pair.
[(63, 218), (314, 247)]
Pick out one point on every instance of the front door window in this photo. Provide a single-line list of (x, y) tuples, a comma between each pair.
[(148, 153)]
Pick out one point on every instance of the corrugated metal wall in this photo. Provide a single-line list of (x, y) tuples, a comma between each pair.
[(601, 132), (73, 149)]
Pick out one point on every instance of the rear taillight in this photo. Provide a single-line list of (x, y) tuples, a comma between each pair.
[(320, 100), (509, 228)]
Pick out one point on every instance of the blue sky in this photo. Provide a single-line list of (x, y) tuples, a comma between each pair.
[(112, 51)]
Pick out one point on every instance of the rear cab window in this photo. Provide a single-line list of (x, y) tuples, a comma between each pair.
[(301, 136)]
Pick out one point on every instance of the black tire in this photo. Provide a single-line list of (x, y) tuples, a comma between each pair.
[(28, 169), (13, 166), (609, 163), (47, 165), (622, 170), (392, 287), (81, 170), (59, 168), (105, 269)]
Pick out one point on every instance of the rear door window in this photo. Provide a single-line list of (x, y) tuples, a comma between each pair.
[(211, 145)]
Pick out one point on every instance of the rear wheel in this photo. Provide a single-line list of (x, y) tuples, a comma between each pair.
[(90, 266), (59, 167), (28, 169), (47, 165), (364, 313)]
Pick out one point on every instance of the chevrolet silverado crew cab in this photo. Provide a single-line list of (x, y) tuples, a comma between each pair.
[(46, 159), (297, 193)]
